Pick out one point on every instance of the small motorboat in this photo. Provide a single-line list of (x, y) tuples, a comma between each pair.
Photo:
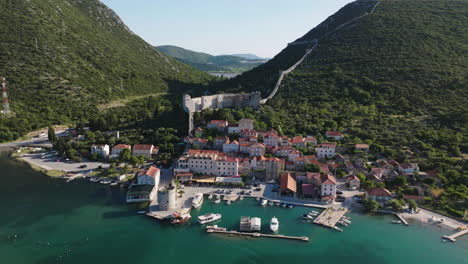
[(141, 212), (197, 200), (274, 224), (210, 196), (342, 223), (218, 196), (258, 198), (228, 202), (270, 203), (217, 201), (264, 202), (307, 217), (277, 204), (180, 219), (114, 184), (396, 222), (241, 197), (290, 206), (338, 229), (283, 205)]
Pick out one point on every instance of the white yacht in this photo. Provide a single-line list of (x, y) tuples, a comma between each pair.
[(264, 202), (274, 224), (208, 218), (197, 200)]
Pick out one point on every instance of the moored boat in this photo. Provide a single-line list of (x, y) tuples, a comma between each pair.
[(338, 229), (208, 218), (215, 227), (264, 202), (197, 200), (180, 219), (218, 201), (210, 196), (228, 202), (270, 203), (274, 224), (396, 222)]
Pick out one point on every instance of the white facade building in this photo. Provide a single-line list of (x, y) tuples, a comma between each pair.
[(326, 150), (100, 150)]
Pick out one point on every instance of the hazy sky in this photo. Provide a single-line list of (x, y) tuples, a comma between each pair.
[(261, 27)]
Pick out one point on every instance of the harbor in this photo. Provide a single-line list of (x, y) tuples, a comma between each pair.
[(454, 237)]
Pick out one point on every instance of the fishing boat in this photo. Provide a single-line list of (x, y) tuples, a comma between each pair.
[(338, 229), (217, 201), (208, 218), (210, 197), (197, 200), (180, 219), (264, 202), (396, 222), (274, 224)]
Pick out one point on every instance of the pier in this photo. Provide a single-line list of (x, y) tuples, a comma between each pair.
[(231, 198), (403, 220), (210, 230), (330, 216), (454, 237)]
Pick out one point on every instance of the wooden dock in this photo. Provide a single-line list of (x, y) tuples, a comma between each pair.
[(305, 239), (454, 237), (402, 219), (330, 216)]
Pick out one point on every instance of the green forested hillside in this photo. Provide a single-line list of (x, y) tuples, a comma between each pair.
[(396, 79), (62, 57), (210, 63)]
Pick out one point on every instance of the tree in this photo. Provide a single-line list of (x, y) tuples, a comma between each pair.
[(367, 185), (371, 205), (361, 176), (311, 167), (125, 155), (181, 192), (51, 135), (412, 204), (396, 205), (400, 181)]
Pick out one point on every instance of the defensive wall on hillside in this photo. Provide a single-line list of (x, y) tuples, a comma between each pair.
[(218, 101)]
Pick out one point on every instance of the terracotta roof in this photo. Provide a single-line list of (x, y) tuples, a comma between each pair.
[(142, 147), (333, 134), (378, 191), (407, 165), (327, 179), (307, 139), (201, 151), (185, 174), (218, 122), (151, 171), (328, 198), (361, 146), (288, 182), (353, 177), (411, 197), (122, 146), (313, 175)]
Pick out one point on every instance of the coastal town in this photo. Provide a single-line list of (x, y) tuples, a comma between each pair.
[(240, 162)]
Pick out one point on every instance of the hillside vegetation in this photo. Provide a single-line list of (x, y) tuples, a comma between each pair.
[(396, 79), (63, 57), (210, 63)]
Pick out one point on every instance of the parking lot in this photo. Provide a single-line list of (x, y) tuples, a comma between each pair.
[(55, 163)]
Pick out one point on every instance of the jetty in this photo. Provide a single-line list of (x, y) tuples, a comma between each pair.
[(454, 237), (402, 219), (231, 198), (330, 216), (211, 230)]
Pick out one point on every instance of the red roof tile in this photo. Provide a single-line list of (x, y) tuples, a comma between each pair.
[(142, 147), (288, 182), (378, 191)]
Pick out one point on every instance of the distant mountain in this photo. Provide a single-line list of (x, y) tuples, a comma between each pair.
[(250, 57), (210, 63), (62, 58)]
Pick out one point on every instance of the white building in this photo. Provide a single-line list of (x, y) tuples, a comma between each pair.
[(257, 150), (272, 140), (408, 168), (149, 177), (328, 186), (227, 166), (233, 129), (100, 150), (326, 150), (146, 150), (232, 146), (209, 162), (337, 135)]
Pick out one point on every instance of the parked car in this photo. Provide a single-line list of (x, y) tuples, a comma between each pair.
[(83, 166), (258, 189), (339, 192)]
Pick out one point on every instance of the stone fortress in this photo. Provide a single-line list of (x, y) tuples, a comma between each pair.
[(218, 101)]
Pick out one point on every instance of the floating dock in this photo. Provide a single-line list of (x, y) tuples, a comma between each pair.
[(402, 219), (305, 239), (454, 237), (330, 216), (231, 198)]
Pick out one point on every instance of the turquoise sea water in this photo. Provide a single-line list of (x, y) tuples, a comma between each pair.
[(45, 220)]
